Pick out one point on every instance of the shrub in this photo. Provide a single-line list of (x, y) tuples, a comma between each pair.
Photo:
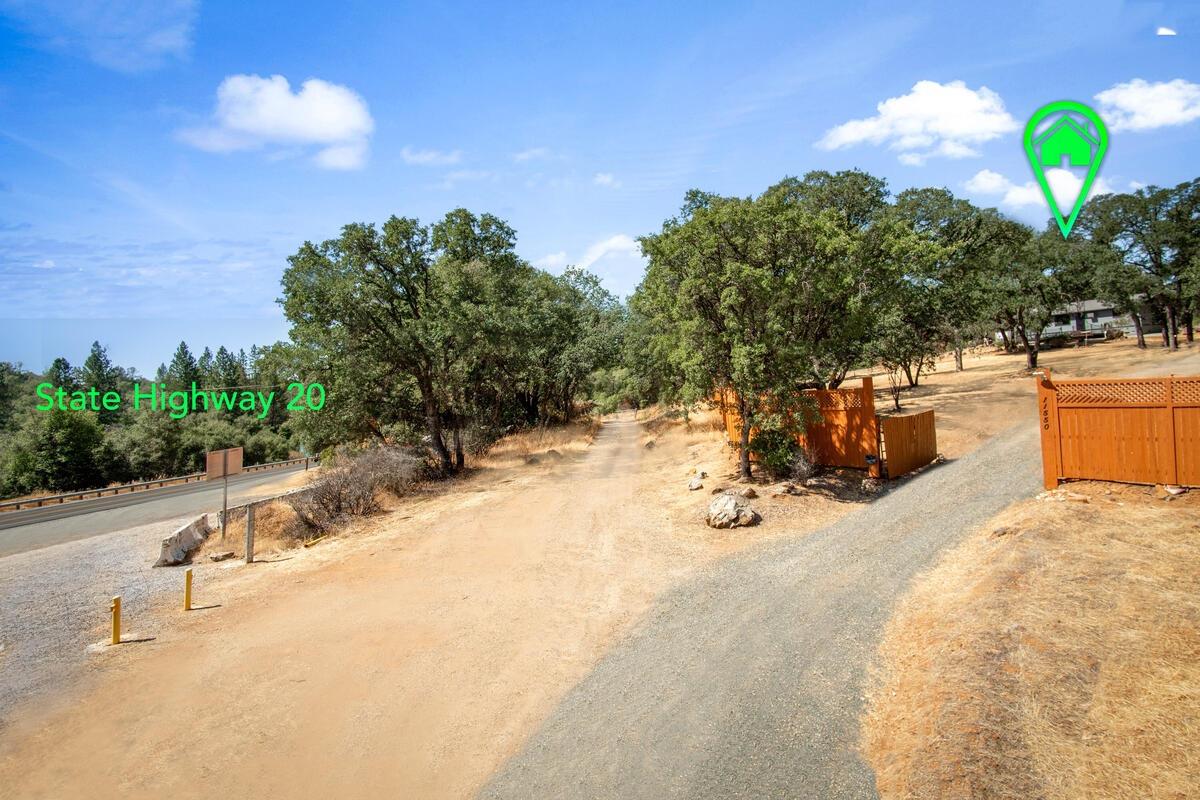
[(776, 450), (349, 489), (781, 455), (388, 469)]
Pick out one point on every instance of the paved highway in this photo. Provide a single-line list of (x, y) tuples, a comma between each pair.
[(34, 528)]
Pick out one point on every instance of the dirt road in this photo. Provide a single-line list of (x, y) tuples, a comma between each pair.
[(747, 681), (411, 669)]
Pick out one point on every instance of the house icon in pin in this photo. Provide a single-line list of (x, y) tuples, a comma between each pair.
[(1066, 139)]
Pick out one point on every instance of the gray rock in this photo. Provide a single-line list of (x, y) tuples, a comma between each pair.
[(743, 491), (224, 555), (731, 511), (695, 483)]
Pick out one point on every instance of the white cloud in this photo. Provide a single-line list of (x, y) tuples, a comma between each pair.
[(552, 260), (46, 263), (618, 245), (531, 154), (1064, 184), (932, 120), (458, 176), (1142, 106), (987, 182), (134, 36), (606, 179), (254, 112), (1165, 31), (430, 158)]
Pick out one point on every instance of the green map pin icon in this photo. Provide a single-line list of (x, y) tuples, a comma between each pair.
[(1065, 138)]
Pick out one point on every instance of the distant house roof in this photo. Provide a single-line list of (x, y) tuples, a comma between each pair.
[(1084, 307)]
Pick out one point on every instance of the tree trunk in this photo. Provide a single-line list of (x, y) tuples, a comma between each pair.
[(1031, 353), (744, 444), (908, 374), (1172, 328), (1004, 338), (1137, 327), (1188, 328), (460, 459), (958, 358), (433, 422)]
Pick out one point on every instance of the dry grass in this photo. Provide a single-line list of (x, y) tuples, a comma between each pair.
[(536, 443), (277, 528), (1055, 654)]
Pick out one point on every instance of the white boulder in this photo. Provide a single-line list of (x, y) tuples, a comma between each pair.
[(731, 511)]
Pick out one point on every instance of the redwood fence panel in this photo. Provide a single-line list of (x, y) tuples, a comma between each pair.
[(848, 433), (846, 436), (909, 442), (1131, 430)]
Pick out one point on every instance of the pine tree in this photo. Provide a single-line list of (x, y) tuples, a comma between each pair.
[(98, 371), (184, 371), (61, 373), (208, 375)]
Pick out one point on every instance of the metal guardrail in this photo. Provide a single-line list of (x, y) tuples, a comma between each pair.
[(129, 488)]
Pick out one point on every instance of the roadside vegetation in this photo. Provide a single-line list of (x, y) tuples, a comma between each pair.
[(62, 450)]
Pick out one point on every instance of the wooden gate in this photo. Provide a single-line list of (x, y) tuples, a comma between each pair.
[(909, 442), (1132, 430)]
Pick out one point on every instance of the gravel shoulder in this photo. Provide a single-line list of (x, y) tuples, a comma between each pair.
[(747, 681), (55, 597)]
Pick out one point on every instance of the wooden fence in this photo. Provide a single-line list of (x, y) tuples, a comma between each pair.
[(909, 442), (1131, 430), (850, 433)]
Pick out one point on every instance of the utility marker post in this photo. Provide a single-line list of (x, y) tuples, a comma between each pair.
[(187, 590)]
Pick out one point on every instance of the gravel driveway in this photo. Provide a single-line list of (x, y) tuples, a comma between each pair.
[(748, 681)]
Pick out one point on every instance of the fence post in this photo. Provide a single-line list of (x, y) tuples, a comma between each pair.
[(250, 533), (1171, 445), (1048, 422), (871, 423)]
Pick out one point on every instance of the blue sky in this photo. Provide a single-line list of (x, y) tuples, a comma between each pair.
[(155, 175)]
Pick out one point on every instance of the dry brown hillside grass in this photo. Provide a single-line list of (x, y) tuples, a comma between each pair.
[(1055, 654), (537, 442)]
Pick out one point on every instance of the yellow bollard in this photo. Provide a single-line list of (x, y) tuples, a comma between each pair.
[(187, 589), (115, 608)]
